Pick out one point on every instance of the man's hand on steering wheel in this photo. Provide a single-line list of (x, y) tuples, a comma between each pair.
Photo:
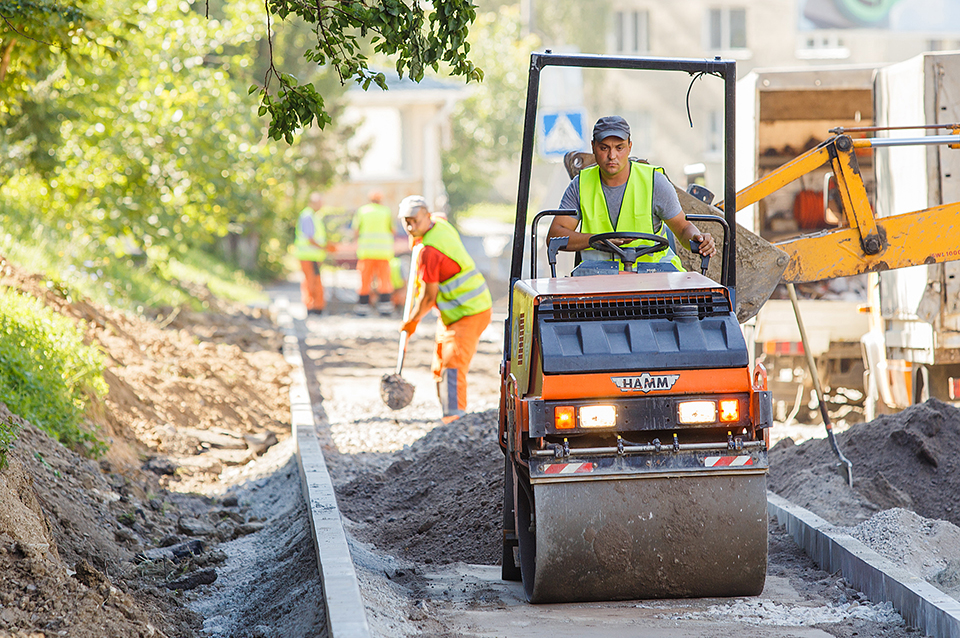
[(611, 243)]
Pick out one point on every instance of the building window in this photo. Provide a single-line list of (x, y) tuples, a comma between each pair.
[(822, 46), (632, 31), (714, 142), (641, 131), (728, 29)]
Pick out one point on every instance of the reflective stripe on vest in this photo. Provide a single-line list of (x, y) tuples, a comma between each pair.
[(465, 293), (637, 199), (303, 249), (375, 225)]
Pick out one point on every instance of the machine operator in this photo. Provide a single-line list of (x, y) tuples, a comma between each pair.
[(618, 194)]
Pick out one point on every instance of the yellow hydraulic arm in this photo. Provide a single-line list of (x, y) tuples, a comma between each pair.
[(867, 243)]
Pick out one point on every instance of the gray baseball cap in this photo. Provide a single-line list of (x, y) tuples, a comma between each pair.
[(611, 125), (410, 206)]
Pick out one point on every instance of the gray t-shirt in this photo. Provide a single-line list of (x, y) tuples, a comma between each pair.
[(666, 205)]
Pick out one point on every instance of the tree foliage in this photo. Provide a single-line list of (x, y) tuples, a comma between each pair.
[(155, 150), (488, 125), (33, 33), (417, 36)]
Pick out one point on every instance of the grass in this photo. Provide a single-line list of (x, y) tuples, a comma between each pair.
[(133, 282), (47, 373)]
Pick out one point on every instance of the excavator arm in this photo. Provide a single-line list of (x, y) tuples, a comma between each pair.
[(865, 243)]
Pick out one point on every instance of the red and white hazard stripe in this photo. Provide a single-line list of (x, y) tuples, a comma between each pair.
[(727, 461), (567, 468)]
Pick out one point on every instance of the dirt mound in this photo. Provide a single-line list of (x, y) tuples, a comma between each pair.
[(908, 460), (61, 535), (903, 503), (437, 499), (440, 501), (104, 548)]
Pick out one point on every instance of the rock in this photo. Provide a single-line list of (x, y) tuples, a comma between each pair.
[(226, 530), (200, 464), (230, 501), (89, 575), (194, 580), (160, 465), (216, 438), (167, 541), (176, 553), (248, 528), (231, 456), (195, 527), (219, 515), (260, 442), (125, 535)]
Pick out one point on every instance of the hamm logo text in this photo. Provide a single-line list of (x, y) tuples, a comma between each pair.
[(645, 382)]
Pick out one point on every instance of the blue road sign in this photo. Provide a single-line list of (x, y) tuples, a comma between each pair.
[(562, 132)]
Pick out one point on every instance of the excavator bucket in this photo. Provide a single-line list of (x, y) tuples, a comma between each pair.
[(760, 264)]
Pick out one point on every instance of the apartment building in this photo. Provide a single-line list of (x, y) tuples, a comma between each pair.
[(757, 34)]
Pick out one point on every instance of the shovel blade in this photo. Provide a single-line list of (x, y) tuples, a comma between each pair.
[(395, 391)]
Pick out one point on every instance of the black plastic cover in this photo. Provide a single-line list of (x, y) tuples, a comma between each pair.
[(681, 342)]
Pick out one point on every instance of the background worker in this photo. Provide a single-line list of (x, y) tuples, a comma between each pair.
[(310, 249), (618, 194), (448, 279), (373, 226)]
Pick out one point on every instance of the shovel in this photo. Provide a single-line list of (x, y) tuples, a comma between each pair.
[(395, 391)]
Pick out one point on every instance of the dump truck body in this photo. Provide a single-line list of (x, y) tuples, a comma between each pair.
[(919, 307), (890, 117)]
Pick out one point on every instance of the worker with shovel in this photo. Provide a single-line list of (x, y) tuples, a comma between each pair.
[(448, 279)]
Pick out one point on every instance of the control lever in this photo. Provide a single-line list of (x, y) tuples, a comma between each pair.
[(555, 245), (700, 192), (704, 259)]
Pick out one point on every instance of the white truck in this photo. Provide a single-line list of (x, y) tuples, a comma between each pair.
[(891, 336)]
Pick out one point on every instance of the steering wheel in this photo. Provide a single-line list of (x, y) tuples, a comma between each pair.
[(630, 254)]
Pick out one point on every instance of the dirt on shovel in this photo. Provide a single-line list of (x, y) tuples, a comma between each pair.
[(395, 391)]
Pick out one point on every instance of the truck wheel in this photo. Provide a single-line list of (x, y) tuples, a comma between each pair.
[(509, 569)]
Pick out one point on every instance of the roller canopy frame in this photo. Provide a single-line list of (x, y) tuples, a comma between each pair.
[(725, 69)]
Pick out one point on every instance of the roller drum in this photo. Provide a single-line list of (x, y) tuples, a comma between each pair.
[(694, 535)]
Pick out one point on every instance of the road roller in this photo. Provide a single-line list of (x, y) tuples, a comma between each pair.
[(632, 420)]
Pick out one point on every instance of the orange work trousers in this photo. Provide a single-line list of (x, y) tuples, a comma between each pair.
[(456, 345), (311, 288), (378, 269)]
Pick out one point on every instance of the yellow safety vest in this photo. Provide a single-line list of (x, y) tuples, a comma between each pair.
[(375, 225), (635, 213), (465, 293), (304, 250)]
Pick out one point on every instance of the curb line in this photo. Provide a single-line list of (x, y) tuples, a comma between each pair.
[(921, 604), (346, 614)]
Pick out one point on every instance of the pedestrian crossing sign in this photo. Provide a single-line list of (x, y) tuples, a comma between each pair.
[(562, 132)]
